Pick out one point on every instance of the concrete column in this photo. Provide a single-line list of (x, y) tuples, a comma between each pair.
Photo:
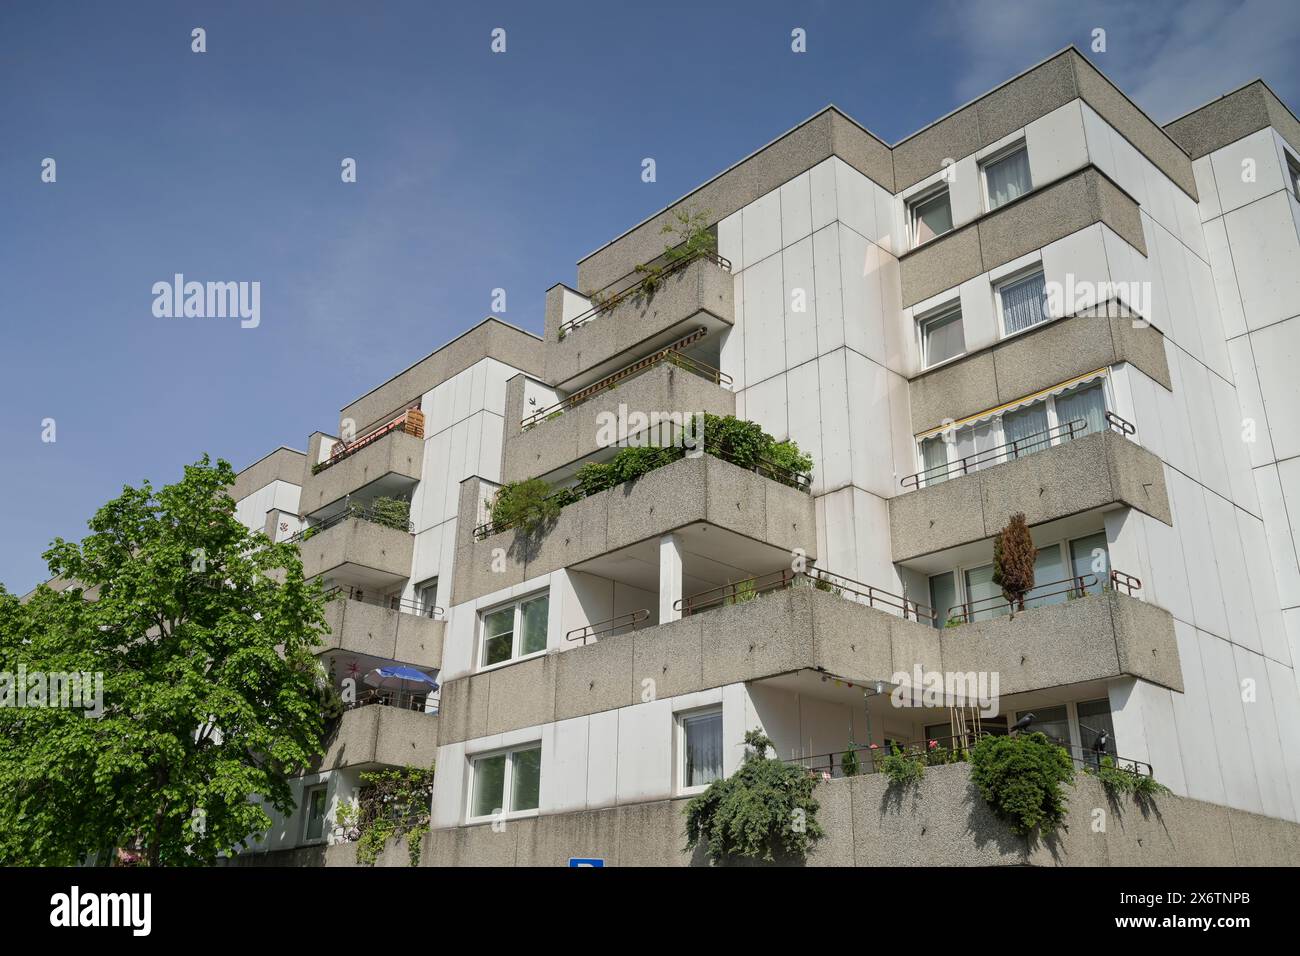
[(670, 578)]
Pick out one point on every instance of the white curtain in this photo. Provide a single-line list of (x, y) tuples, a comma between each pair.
[(944, 339), (1008, 178), (703, 749), (934, 455), (1024, 303), (1086, 403), (1025, 427)]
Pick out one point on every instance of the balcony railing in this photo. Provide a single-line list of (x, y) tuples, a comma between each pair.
[(606, 302), (1012, 450), (870, 596), (939, 751), (400, 699), (750, 588), (411, 422), (360, 512), (631, 620), (391, 603), (671, 355), (1072, 588)]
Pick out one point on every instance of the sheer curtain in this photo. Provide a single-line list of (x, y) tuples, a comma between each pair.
[(943, 338), (1021, 424), (1007, 178), (1086, 402), (1024, 303), (934, 455), (703, 749)]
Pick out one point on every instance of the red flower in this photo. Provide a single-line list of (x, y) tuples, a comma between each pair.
[(933, 744)]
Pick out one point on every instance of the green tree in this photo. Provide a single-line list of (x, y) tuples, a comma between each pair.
[(203, 633)]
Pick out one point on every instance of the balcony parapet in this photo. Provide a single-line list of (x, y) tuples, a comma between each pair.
[(1099, 470), (381, 736), (635, 321), (1096, 637), (548, 439), (356, 542), (395, 451), (686, 492), (393, 634)]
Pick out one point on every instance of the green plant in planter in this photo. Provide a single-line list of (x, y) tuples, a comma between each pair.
[(1023, 778), (1142, 787), (390, 512), (763, 811), (745, 591), (849, 765), (393, 803), (954, 622), (692, 234), (902, 769), (524, 504)]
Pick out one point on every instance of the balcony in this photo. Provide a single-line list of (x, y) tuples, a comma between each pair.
[(821, 625), (355, 546), (716, 509), (634, 318), (1049, 475), (667, 382), (386, 461), (381, 735), (393, 629)]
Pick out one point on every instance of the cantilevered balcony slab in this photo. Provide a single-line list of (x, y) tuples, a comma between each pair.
[(1101, 470), (1096, 637), (375, 631), (388, 465), (697, 294), (381, 736), (701, 491), (365, 552), (578, 432)]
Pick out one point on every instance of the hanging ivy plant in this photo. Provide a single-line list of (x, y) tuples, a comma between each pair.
[(1023, 778)]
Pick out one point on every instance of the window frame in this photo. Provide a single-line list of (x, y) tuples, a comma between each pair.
[(999, 433), (1003, 154), (308, 793), (679, 739), (960, 571), (507, 782), (426, 606), (1023, 275), (1293, 173), (935, 315), (923, 198), (516, 633)]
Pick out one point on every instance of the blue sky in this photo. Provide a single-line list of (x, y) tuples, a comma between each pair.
[(475, 171)]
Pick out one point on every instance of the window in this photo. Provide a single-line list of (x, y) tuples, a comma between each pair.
[(930, 216), (943, 596), (1006, 177), (1090, 556), (1052, 721), (942, 337), (426, 596), (701, 749), (1293, 173), (515, 630), (1084, 404), (1094, 720), (314, 800), (509, 782), (1022, 303)]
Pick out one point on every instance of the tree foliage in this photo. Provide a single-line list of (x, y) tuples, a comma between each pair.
[(1014, 555), (764, 811), (211, 694)]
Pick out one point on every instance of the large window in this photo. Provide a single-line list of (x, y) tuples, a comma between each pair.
[(1032, 427), (1095, 720), (314, 800), (930, 216), (701, 749), (1052, 721), (942, 337), (515, 630), (426, 596), (1056, 563), (1006, 177), (508, 782), (1022, 303)]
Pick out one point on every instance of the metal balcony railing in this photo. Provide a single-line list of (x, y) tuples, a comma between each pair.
[(749, 588), (360, 512), (631, 620), (1072, 587), (604, 303), (1010, 451), (362, 596), (871, 596), (400, 699), (672, 355), (408, 423)]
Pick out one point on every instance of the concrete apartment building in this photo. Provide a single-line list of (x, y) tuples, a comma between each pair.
[(1043, 302)]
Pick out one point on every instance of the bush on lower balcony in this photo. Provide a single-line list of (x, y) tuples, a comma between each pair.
[(1023, 779), (393, 803), (1142, 787), (764, 811)]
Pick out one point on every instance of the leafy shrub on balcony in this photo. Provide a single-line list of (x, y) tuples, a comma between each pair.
[(1023, 779), (901, 767), (764, 811), (1142, 787), (525, 504), (1014, 555), (389, 512), (392, 803)]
